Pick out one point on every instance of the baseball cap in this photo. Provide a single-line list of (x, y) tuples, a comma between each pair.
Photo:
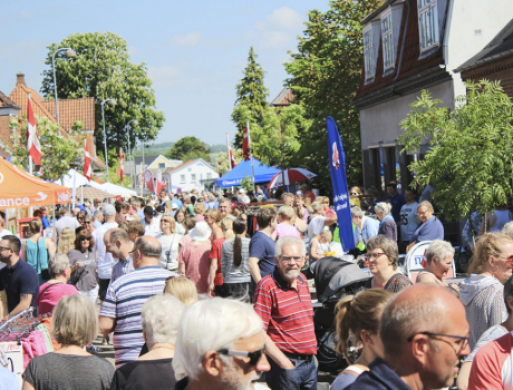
[(174, 206), (109, 210), (149, 210), (160, 209)]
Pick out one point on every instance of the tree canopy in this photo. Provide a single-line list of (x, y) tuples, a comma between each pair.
[(252, 93), (325, 74), (188, 148), (102, 70), (470, 160)]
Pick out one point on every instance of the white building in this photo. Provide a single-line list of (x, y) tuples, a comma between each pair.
[(193, 174)]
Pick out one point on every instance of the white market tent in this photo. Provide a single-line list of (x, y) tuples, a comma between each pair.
[(116, 190), (81, 180)]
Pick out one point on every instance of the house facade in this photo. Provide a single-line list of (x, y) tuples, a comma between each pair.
[(193, 174), (410, 46)]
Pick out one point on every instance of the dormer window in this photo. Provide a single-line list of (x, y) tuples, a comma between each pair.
[(370, 63), (428, 25), (387, 37)]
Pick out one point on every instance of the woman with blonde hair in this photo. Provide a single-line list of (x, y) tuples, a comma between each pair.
[(387, 225), (357, 322), (227, 227), (36, 250), (216, 276), (482, 292), (67, 238), (170, 242), (430, 227), (212, 218), (199, 210), (182, 288), (354, 196)]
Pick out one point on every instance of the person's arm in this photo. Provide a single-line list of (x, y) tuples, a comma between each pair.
[(27, 386), (50, 247), (3, 304), (313, 250), (25, 300), (255, 269), (107, 325), (274, 235), (425, 277), (463, 375), (24, 251), (278, 356), (330, 220), (181, 269), (300, 224), (213, 269)]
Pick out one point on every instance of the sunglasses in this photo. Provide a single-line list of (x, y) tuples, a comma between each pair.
[(254, 357), (88, 222)]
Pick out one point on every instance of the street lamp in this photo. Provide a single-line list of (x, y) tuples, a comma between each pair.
[(70, 53), (112, 102), (134, 123)]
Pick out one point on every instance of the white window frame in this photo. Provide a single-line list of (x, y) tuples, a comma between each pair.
[(370, 65), (428, 25), (387, 41), (182, 179), (193, 178)]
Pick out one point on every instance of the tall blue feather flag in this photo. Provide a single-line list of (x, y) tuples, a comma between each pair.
[(337, 161)]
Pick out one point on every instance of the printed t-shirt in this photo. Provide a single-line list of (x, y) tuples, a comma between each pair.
[(408, 220)]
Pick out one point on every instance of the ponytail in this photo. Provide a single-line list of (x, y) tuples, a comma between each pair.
[(239, 227)]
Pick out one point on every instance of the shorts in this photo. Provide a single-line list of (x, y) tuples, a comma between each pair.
[(104, 285)]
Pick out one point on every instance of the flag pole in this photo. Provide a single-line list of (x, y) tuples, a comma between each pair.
[(251, 158)]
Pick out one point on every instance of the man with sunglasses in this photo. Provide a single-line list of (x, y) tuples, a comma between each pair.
[(220, 346), (425, 333)]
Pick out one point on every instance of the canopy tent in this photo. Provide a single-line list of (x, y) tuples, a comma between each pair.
[(21, 189), (263, 174), (116, 190), (80, 180), (90, 192)]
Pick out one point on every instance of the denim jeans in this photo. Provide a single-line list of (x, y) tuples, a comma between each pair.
[(302, 377)]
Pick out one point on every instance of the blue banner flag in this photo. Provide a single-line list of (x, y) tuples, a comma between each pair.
[(337, 161)]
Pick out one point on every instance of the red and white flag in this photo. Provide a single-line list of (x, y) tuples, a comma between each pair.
[(88, 172), (121, 164), (33, 146), (148, 179), (160, 183), (231, 157), (246, 143)]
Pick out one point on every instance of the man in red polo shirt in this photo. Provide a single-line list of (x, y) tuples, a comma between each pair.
[(282, 300)]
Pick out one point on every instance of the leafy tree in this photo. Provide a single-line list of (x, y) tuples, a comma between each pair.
[(325, 75), (102, 70), (188, 148), (223, 164), (246, 183), (252, 93), (470, 159), (57, 153)]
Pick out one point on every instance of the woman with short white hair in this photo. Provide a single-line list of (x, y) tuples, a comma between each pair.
[(439, 258), (160, 317), (387, 225), (74, 325)]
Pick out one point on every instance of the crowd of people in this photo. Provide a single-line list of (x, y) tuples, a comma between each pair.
[(207, 291)]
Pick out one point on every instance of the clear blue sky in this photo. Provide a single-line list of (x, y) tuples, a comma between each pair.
[(195, 51)]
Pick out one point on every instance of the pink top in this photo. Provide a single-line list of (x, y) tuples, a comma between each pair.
[(48, 300), (197, 265), (200, 218), (184, 243), (283, 230)]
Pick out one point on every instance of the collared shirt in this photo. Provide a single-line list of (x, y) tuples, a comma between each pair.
[(379, 377), (121, 268), (124, 301), (21, 278), (105, 260), (287, 313)]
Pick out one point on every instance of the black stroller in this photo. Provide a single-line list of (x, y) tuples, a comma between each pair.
[(334, 279)]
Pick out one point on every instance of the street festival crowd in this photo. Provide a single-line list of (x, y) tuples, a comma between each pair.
[(208, 291)]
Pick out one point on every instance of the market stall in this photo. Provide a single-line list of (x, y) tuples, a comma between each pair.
[(262, 174)]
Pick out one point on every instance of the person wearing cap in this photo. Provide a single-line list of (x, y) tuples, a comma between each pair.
[(159, 212), (194, 260), (105, 261), (151, 224), (174, 208), (243, 198)]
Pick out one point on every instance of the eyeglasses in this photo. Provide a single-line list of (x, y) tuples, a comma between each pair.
[(85, 239), (354, 194), (254, 357), (288, 260), (369, 256), (88, 222), (462, 339), (508, 259), (4, 248)]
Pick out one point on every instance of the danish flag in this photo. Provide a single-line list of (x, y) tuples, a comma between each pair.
[(231, 157), (33, 146), (121, 164), (246, 143), (88, 172)]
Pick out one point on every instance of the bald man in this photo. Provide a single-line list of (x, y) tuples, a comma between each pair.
[(121, 311), (424, 332)]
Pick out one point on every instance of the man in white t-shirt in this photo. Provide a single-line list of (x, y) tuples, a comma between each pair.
[(408, 219), (65, 221), (3, 230), (151, 224), (105, 262)]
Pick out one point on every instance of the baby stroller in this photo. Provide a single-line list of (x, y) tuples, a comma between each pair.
[(334, 279)]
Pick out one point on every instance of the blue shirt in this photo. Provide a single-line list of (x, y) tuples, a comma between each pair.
[(430, 230), (46, 224), (21, 278), (8, 380), (178, 202), (397, 202), (262, 247), (380, 377)]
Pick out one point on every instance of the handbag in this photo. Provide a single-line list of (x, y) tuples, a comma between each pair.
[(45, 274)]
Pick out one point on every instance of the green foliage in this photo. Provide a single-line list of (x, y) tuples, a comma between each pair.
[(155, 148), (325, 74), (57, 152), (102, 70), (222, 163), (246, 183), (252, 93), (188, 148), (470, 159)]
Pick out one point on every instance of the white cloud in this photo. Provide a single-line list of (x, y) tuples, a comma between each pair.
[(285, 18), (163, 76), (275, 39), (188, 40)]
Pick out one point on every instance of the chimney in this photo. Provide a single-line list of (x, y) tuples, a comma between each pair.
[(20, 79)]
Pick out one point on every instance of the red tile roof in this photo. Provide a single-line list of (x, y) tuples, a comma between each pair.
[(5, 101), (411, 63), (71, 110)]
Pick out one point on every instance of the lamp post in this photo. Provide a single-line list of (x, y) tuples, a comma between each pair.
[(70, 53), (134, 123), (112, 102)]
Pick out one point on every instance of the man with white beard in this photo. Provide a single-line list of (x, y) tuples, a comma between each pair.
[(220, 346), (282, 300)]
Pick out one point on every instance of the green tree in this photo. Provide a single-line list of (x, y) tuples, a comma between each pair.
[(58, 153), (325, 75), (470, 158), (188, 148), (102, 70), (222, 164), (252, 93)]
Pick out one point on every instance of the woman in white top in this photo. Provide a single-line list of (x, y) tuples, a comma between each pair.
[(170, 242), (357, 321)]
